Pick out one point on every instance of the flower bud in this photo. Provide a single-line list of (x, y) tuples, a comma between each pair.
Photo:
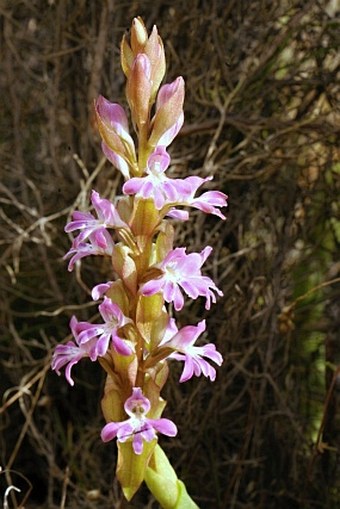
[(169, 113), (151, 46), (113, 127), (154, 49), (138, 90), (126, 56), (139, 35)]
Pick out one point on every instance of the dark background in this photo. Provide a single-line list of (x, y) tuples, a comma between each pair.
[(260, 115)]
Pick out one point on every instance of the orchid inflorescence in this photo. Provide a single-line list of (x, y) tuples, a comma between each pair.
[(136, 335)]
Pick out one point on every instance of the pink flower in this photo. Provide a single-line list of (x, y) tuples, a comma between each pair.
[(193, 356), (169, 193), (138, 427), (72, 352), (183, 271), (81, 249), (207, 202), (107, 217), (105, 332), (156, 184)]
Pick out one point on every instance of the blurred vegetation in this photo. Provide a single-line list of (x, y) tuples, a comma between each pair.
[(261, 94)]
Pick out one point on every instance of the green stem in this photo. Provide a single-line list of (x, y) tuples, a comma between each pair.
[(162, 481)]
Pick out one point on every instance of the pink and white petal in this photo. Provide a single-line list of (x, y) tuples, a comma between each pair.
[(188, 369), (74, 327), (66, 355), (146, 190), (187, 336), (121, 346), (147, 432), (205, 253), (214, 198), (110, 310), (159, 160), (170, 191), (169, 290), (166, 92), (137, 444), (100, 347), (182, 188), (77, 255), (63, 354), (165, 426), (180, 215), (79, 220), (204, 367), (192, 184), (159, 197), (190, 265), (176, 256), (197, 204), (101, 206), (209, 351), (111, 113), (190, 289), (138, 398), (133, 185), (153, 286), (68, 370), (126, 430), (110, 431), (99, 290), (178, 299), (169, 135), (117, 161), (99, 237), (171, 330), (90, 332), (107, 212)]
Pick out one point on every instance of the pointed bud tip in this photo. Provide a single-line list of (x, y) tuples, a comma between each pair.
[(139, 33)]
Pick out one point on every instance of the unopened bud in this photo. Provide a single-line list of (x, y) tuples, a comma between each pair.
[(151, 46), (126, 56), (138, 89), (139, 35), (154, 49), (169, 113)]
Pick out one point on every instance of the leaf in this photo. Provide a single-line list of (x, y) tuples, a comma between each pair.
[(184, 500), (125, 267), (151, 318), (131, 467), (161, 479), (164, 241), (112, 405), (144, 220), (163, 483)]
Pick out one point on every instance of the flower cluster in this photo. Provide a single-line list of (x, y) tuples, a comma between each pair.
[(137, 335)]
